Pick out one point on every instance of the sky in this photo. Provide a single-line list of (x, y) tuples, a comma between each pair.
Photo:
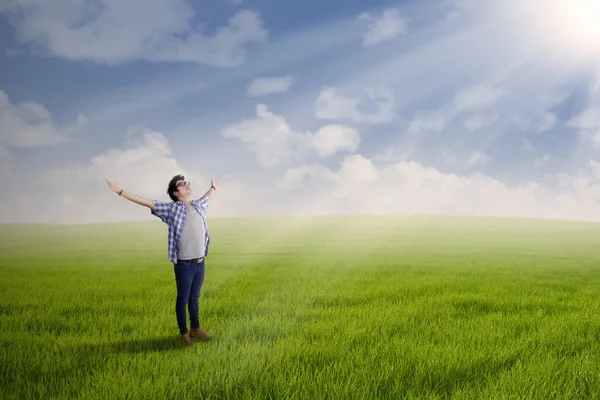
[(437, 107)]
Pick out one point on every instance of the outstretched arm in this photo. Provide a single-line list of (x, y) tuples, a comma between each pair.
[(213, 186), (115, 187)]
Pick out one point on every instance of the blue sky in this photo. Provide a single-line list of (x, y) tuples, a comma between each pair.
[(400, 107)]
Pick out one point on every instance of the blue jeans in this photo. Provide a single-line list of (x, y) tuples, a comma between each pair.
[(189, 277)]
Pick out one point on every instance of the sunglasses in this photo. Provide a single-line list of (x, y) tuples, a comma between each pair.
[(182, 183)]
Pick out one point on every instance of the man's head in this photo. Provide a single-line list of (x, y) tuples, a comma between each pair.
[(178, 188)]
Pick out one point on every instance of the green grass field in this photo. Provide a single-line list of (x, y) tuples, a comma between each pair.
[(330, 307)]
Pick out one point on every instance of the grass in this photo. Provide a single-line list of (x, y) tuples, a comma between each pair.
[(330, 307)]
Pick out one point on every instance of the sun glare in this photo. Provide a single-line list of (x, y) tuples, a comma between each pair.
[(583, 16), (571, 26)]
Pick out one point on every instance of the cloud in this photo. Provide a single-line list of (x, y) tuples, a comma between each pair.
[(478, 122), (536, 113), (264, 86), (331, 139), (460, 8), (381, 28), (588, 124), (472, 159), (112, 31), (275, 142), (476, 97), (332, 103), (354, 169), (268, 135), (81, 121), (76, 193), (477, 159), (473, 98), (424, 123), (544, 160), (526, 144), (144, 166), (396, 152), (546, 122), (27, 124), (595, 167), (408, 187), (294, 177), (357, 169), (146, 163), (588, 119)]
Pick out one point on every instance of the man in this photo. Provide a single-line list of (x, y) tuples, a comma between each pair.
[(188, 245)]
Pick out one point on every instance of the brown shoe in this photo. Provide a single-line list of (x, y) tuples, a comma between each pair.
[(186, 339), (200, 334)]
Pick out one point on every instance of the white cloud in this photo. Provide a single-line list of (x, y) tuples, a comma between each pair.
[(357, 186), (81, 120), (534, 112), (354, 169), (546, 121), (144, 166), (473, 159), (588, 119), (526, 144), (588, 124), (461, 7), (357, 169), (274, 142), (450, 157), (595, 166), (76, 192), (331, 139), (413, 188), (384, 27), (26, 124), (476, 97), (477, 159), (268, 135), (553, 99), (396, 152), (424, 123), (294, 177), (113, 31), (269, 85), (541, 161), (332, 103), (479, 122)]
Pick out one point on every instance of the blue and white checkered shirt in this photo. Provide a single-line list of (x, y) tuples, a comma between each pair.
[(173, 214)]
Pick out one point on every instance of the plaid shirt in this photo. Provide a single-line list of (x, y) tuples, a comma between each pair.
[(173, 214)]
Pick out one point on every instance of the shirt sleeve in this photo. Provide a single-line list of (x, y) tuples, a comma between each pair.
[(162, 210), (202, 203)]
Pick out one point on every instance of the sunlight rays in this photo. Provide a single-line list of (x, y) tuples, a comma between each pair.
[(583, 20), (570, 27)]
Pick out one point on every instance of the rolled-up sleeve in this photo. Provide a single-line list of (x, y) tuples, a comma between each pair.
[(202, 203), (162, 210)]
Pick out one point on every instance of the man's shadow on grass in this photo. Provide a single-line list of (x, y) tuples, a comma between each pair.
[(133, 346)]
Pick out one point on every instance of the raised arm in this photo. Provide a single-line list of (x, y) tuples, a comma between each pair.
[(115, 187), (213, 186)]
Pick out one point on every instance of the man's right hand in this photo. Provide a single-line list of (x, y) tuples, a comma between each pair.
[(114, 186)]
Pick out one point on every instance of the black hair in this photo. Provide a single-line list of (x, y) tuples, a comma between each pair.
[(173, 186)]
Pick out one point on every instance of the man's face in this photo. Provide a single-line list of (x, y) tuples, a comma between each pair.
[(183, 188)]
